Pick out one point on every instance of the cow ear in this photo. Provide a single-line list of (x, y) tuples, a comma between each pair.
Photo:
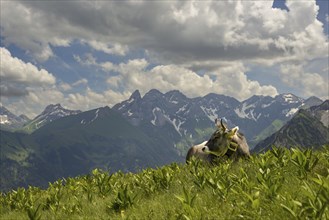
[(233, 131)]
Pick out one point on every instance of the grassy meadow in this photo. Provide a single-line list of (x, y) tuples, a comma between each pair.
[(278, 184)]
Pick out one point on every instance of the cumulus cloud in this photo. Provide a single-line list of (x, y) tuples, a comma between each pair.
[(35, 101), (172, 31), (230, 79), (195, 46), (116, 49), (12, 90), (64, 86), (91, 99), (18, 77), (310, 84), (16, 70), (82, 81)]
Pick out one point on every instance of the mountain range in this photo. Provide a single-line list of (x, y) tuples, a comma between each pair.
[(51, 113), (140, 132), (308, 128), (192, 119), (9, 121), (76, 144)]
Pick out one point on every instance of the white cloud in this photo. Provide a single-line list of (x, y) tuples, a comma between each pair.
[(230, 79), (87, 60), (64, 86), (179, 37), (19, 77), (91, 99), (172, 31), (35, 101), (16, 70), (82, 81), (116, 49), (310, 84)]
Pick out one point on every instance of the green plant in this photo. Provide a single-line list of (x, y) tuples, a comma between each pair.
[(102, 182), (282, 156), (304, 160), (253, 199), (33, 213), (262, 187), (125, 199), (272, 181), (187, 199), (317, 200), (163, 178), (291, 206), (88, 187)]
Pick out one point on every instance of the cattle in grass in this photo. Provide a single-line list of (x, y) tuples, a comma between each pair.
[(223, 142)]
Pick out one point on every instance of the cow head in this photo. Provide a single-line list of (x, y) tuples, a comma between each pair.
[(221, 139)]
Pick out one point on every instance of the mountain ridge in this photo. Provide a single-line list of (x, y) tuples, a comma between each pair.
[(51, 113), (76, 144), (306, 129), (10, 121), (184, 114)]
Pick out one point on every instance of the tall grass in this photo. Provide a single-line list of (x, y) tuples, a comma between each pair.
[(279, 184)]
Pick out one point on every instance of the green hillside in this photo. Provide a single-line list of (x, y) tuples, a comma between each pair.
[(75, 145), (273, 127), (279, 184), (303, 129)]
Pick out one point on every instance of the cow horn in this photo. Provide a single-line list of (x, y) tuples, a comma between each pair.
[(222, 124)]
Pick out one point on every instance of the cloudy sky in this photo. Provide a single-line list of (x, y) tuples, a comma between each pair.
[(86, 54)]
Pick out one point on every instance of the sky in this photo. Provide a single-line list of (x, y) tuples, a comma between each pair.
[(87, 54)]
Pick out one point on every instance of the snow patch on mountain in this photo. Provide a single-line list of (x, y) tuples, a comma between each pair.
[(242, 112), (153, 121), (267, 105), (39, 124), (290, 112), (290, 98), (130, 100), (4, 119), (182, 109), (173, 122), (96, 116), (210, 113)]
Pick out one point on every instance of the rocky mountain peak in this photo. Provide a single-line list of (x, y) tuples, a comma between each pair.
[(312, 101), (51, 113), (53, 107), (135, 96), (288, 98)]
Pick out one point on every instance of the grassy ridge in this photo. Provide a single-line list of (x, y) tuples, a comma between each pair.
[(279, 184)]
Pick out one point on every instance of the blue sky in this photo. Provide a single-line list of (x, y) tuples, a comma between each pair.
[(89, 54)]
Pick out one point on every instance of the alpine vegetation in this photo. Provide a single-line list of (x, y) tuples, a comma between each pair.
[(279, 184)]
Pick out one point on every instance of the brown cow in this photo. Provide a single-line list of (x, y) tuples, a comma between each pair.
[(223, 142)]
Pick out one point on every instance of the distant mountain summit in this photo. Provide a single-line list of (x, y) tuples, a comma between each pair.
[(184, 121), (51, 113), (9, 121), (308, 128), (312, 101)]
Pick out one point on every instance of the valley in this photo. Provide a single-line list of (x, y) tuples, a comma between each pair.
[(148, 131)]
